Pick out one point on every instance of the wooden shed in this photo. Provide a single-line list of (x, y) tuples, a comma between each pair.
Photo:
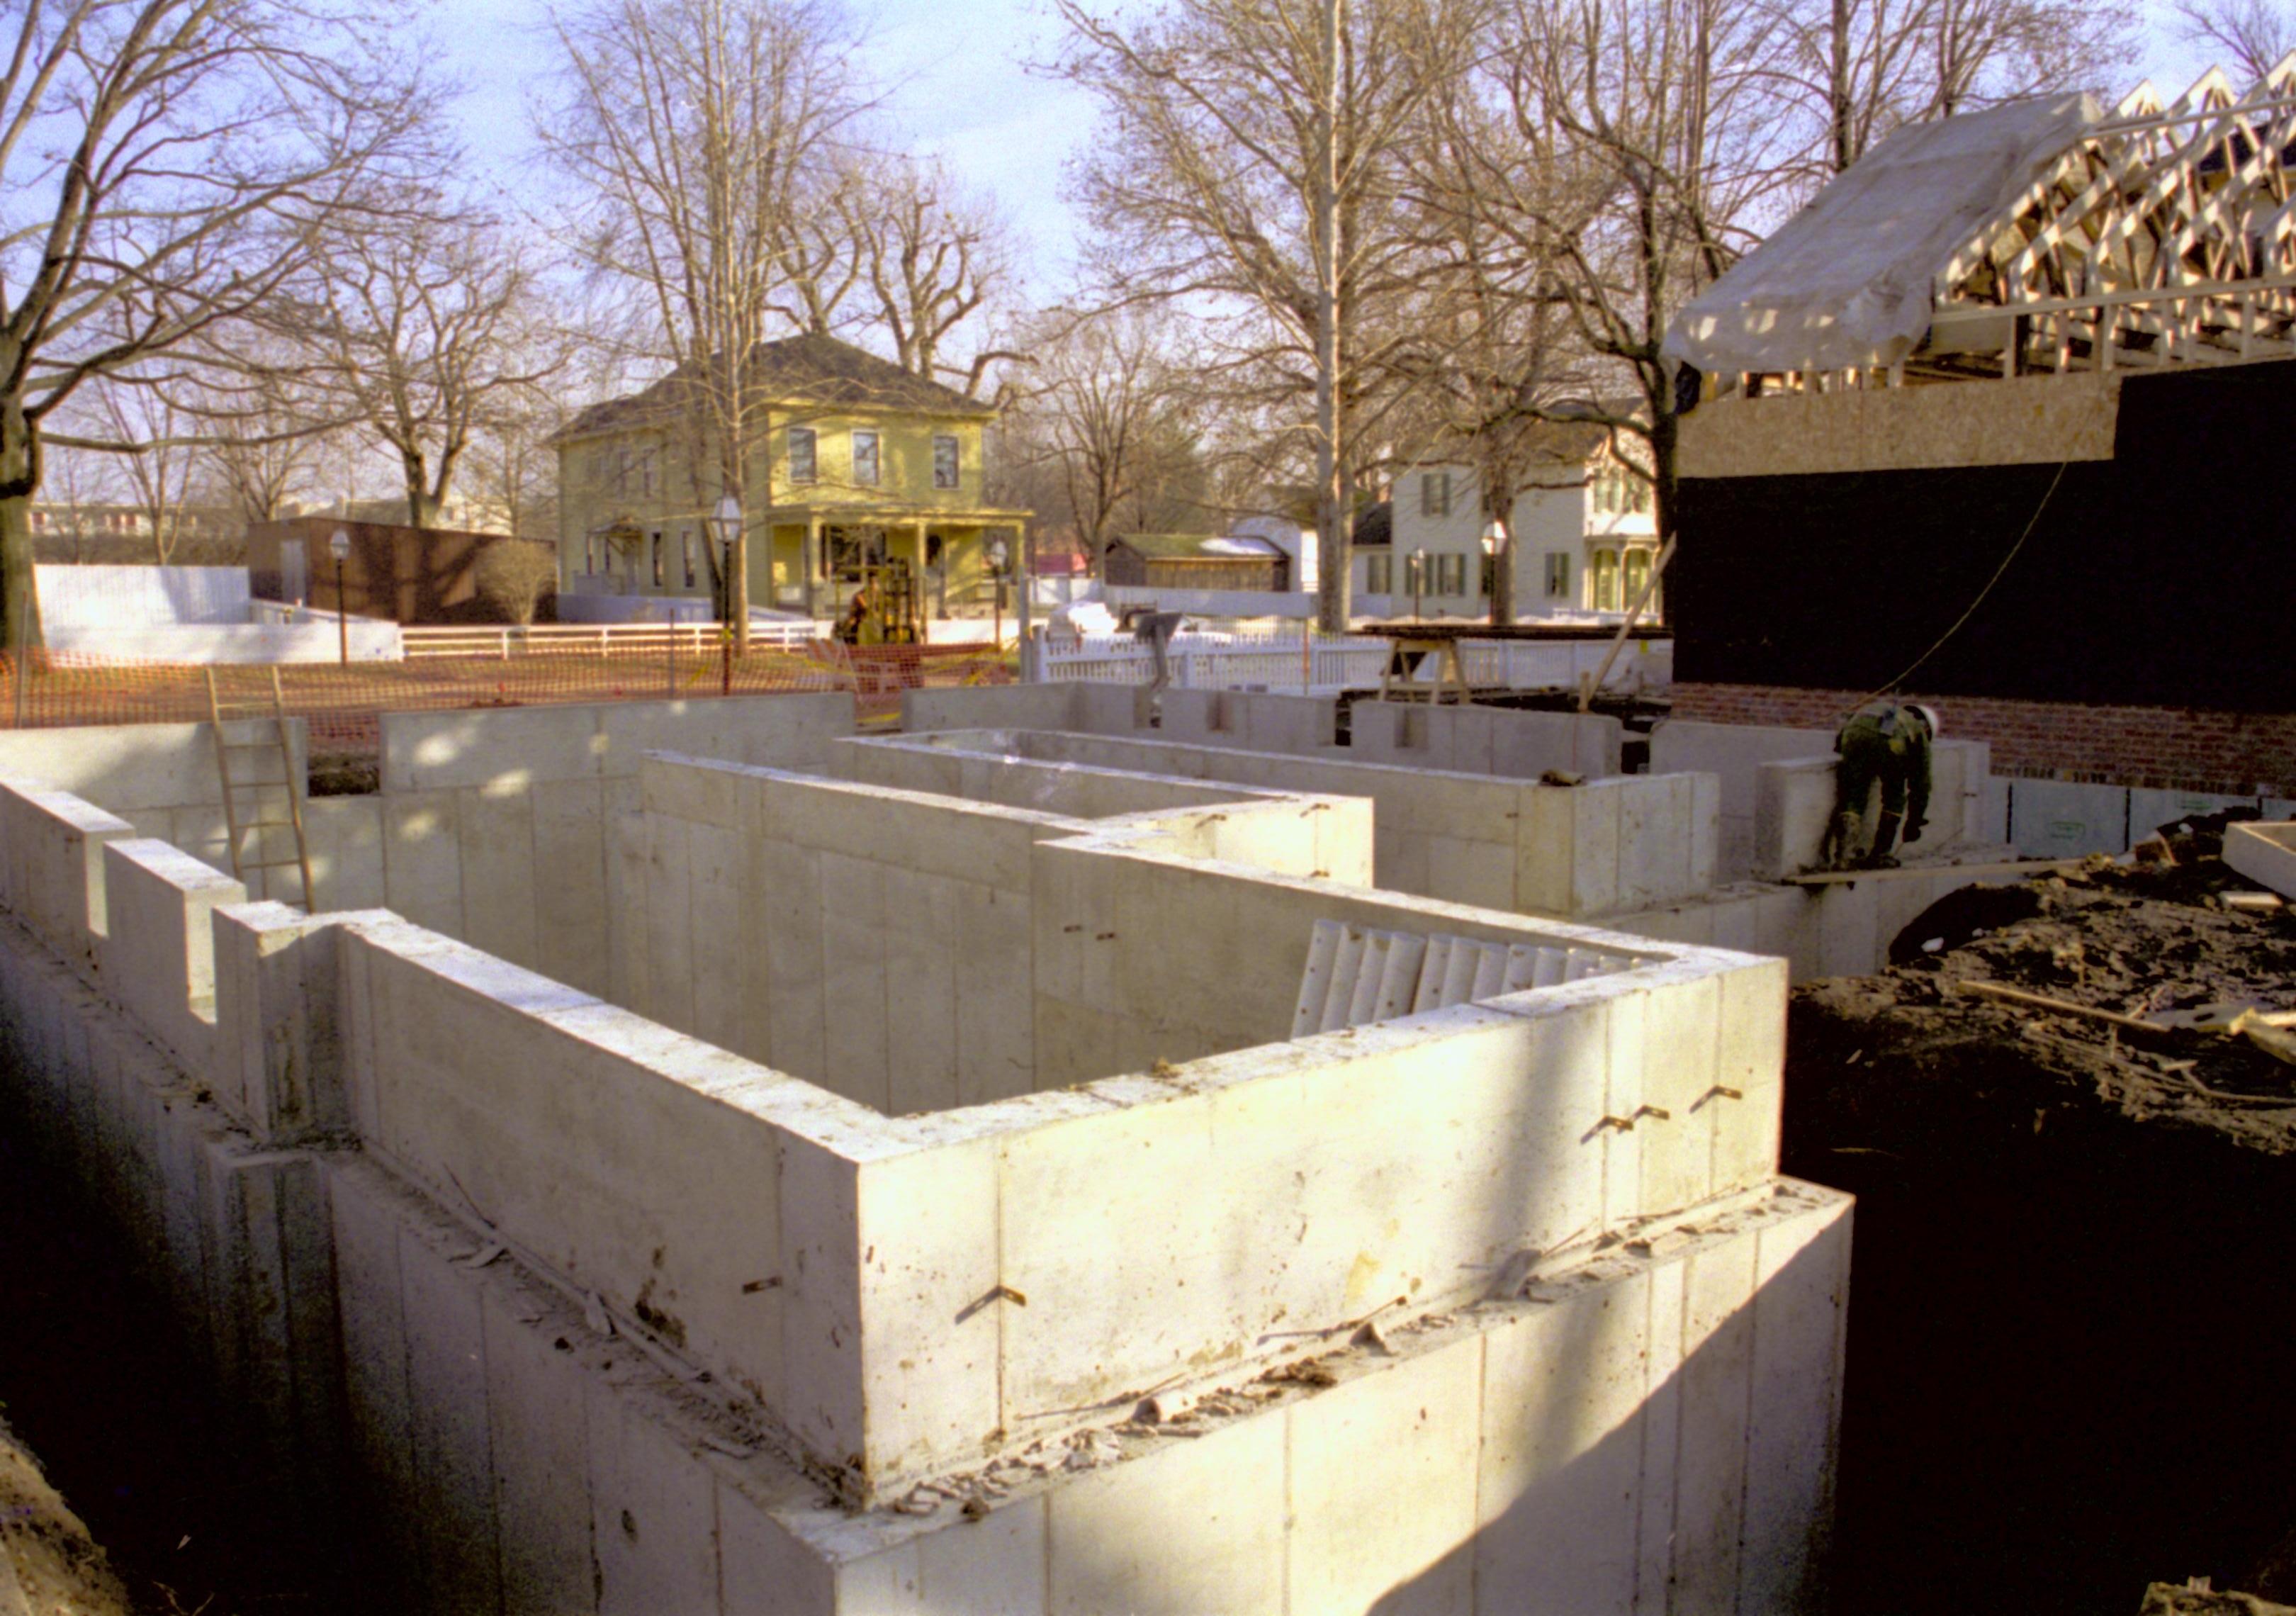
[(1192, 561), (407, 575)]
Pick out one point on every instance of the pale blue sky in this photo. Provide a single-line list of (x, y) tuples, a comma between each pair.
[(958, 85), (952, 69)]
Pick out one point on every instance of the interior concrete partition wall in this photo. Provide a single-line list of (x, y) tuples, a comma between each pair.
[(878, 940), (1472, 739), (852, 1271), (164, 780), (1510, 742), (1607, 847), (495, 826)]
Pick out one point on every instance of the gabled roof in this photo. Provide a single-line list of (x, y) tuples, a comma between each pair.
[(811, 370), (1200, 546)]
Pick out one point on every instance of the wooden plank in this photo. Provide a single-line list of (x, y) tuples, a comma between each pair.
[(2040, 1001), (2023, 866)]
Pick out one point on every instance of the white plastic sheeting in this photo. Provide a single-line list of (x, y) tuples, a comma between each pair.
[(140, 597), (1850, 279)]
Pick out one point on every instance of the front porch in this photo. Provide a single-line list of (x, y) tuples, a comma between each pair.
[(812, 559)]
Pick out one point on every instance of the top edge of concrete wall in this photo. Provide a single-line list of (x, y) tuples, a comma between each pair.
[(127, 768), (508, 748)]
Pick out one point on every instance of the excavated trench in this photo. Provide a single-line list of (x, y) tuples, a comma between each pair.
[(95, 1381), (2071, 1320)]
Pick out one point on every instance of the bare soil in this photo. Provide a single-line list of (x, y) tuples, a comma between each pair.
[(2071, 1311)]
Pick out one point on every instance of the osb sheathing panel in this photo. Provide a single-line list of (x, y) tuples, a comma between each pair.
[(2034, 419)]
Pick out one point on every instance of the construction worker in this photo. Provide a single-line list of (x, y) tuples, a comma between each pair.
[(857, 616), (1887, 742)]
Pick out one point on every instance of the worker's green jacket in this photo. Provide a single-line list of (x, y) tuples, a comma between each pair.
[(1888, 746)]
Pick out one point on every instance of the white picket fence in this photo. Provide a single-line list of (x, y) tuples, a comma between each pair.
[(596, 639), (1325, 665)]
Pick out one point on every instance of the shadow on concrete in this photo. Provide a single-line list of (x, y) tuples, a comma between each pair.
[(1670, 1501), (97, 1382)]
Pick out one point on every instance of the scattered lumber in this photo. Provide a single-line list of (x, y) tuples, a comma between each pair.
[(2042, 1001), (2018, 867)]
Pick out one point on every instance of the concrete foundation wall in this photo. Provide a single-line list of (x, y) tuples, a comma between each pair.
[(1608, 847), (495, 825), (589, 1276), (873, 941), (163, 779), (1485, 740), (879, 940), (1469, 740), (1967, 808)]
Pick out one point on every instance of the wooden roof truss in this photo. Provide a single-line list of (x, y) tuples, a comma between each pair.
[(2165, 236)]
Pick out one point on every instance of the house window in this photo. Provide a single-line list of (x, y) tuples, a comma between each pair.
[(646, 471), (590, 552), (944, 461), (1379, 574), (864, 457), (800, 453), (1434, 493), (622, 460), (851, 550), (1606, 580), (657, 559), (685, 545), (1450, 574), (1558, 575), (1637, 575)]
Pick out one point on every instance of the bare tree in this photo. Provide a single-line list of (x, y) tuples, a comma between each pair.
[(1105, 410), (1250, 164), (696, 132), (162, 469), (513, 468), (427, 328), (1857, 68), (2254, 36), (168, 165), (932, 259), (1639, 142), (513, 577), (266, 421)]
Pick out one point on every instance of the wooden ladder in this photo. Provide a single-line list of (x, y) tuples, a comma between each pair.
[(280, 746)]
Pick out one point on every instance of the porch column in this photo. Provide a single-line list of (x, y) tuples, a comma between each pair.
[(807, 560)]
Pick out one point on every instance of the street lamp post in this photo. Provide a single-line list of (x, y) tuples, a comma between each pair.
[(1418, 560), (1495, 546), (999, 553), (726, 521), (340, 545)]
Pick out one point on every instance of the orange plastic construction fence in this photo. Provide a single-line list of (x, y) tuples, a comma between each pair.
[(341, 703)]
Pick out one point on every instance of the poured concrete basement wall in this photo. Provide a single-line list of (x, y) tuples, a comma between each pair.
[(627, 1322), (164, 780), (495, 826), (1509, 742), (1607, 847)]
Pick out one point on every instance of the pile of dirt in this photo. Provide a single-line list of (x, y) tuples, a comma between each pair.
[(345, 774), (2134, 941), (47, 1559), (2069, 1310)]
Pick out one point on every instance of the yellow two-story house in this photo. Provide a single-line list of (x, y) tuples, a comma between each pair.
[(852, 464)]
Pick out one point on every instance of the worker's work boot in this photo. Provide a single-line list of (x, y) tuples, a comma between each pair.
[(1884, 854), (1839, 848)]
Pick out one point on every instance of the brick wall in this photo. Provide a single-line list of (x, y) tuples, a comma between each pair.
[(2235, 754)]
